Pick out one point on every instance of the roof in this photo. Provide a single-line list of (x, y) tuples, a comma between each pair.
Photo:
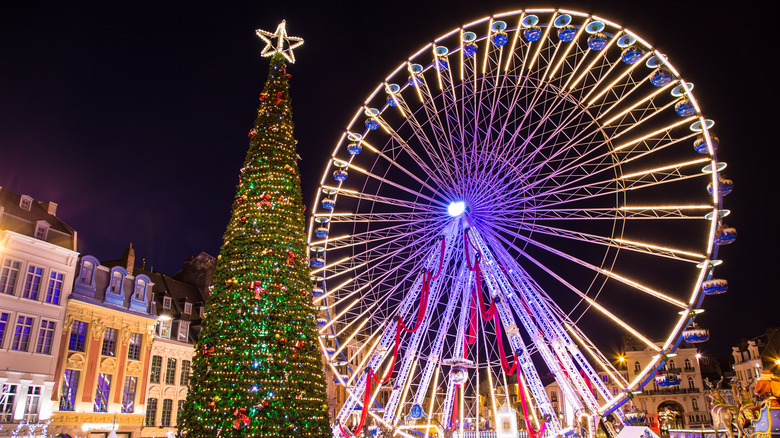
[(19, 220)]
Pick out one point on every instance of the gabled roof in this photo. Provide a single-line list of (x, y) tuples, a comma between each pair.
[(19, 220)]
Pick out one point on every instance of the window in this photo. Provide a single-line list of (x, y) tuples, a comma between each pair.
[(188, 308), (55, 288), (7, 399), (109, 342), (25, 203), (688, 365), (170, 372), (554, 396), (637, 367), (134, 348), (184, 377), (70, 386), (31, 404), (672, 364), (41, 230), (78, 336), (116, 282), (22, 333), (45, 336), (101, 392), (695, 404), (691, 384), (32, 284), (140, 290), (154, 375), (8, 276), (201, 311), (128, 395), (3, 325), (87, 272), (166, 302), (184, 331), (151, 412), (167, 409), (164, 329)]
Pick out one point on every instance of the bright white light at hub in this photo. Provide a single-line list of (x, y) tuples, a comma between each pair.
[(456, 208)]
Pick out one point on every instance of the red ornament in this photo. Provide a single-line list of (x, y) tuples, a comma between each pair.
[(262, 97), (240, 199), (284, 71), (207, 351), (242, 219), (265, 200), (291, 256), (298, 345), (252, 132), (282, 341), (241, 417), (304, 293), (259, 289)]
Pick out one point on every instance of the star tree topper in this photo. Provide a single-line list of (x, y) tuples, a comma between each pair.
[(281, 39)]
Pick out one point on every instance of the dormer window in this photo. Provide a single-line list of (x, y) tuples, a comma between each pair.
[(87, 272), (166, 302), (140, 290), (201, 311), (188, 308), (184, 330), (25, 203), (116, 282), (139, 300), (41, 230)]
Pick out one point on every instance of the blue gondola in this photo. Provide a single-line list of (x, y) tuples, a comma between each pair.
[(317, 262), (469, 49), (440, 63), (532, 34), (355, 148), (667, 379), (328, 203), (725, 186), (317, 291), (597, 41), (392, 101), (372, 124), (321, 233), (661, 77), (684, 108), (700, 145), (695, 334), (725, 235), (415, 81), (567, 33), (500, 38), (340, 175), (321, 322), (631, 55), (715, 286)]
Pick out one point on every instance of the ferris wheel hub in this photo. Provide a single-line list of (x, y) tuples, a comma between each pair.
[(456, 208)]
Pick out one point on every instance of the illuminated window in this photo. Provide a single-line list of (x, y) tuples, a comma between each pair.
[(22, 333), (8, 276), (151, 412), (154, 374), (109, 342), (87, 273), (116, 282), (188, 308), (140, 290), (70, 386), (164, 329), (78, 336), (55, 288), (134, 347), (170, 371), (7, 399), (128, 395), (32, 283), (31, 404), (45, 336), (3, 326), (167, 410), (101, 392), (184, 331), (166, 302)]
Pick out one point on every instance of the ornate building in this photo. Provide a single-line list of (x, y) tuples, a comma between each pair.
[(179, 302), (37, 261), (752, 356), (104, 351)]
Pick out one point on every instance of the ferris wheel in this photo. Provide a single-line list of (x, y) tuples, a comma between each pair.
[(513, 198)]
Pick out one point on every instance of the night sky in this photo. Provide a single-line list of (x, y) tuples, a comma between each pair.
[(133, 116)]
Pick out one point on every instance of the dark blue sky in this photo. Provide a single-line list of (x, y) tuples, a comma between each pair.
[(133, 116)]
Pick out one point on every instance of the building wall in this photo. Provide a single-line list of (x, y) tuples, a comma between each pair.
[(162, 387), (31, 338), (82, 370)]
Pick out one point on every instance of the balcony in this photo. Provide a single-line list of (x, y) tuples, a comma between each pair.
[(667, 391)]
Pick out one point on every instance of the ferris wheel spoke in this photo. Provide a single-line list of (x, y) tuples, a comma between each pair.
[(412, 217), (384, 199), (380, 234), (625, 280), (611, 213), (584, 297), (647, 100), (617, 243)]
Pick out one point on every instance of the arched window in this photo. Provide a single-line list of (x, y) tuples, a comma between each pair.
[(117, 277), (691, 383), (695, 404), (687, 364), (672, 364), (87, 274), (139, 301), (637, 367)]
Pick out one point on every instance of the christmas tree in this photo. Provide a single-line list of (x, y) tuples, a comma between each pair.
[(257, 371)]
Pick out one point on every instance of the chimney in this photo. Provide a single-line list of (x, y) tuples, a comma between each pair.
[(50, 207), (129, 258)]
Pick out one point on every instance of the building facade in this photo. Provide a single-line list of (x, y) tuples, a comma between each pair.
[(37, 263), (752, 356), (104, 352), (179, 303)]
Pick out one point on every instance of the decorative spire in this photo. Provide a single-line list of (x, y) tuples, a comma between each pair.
[(281, 39)]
